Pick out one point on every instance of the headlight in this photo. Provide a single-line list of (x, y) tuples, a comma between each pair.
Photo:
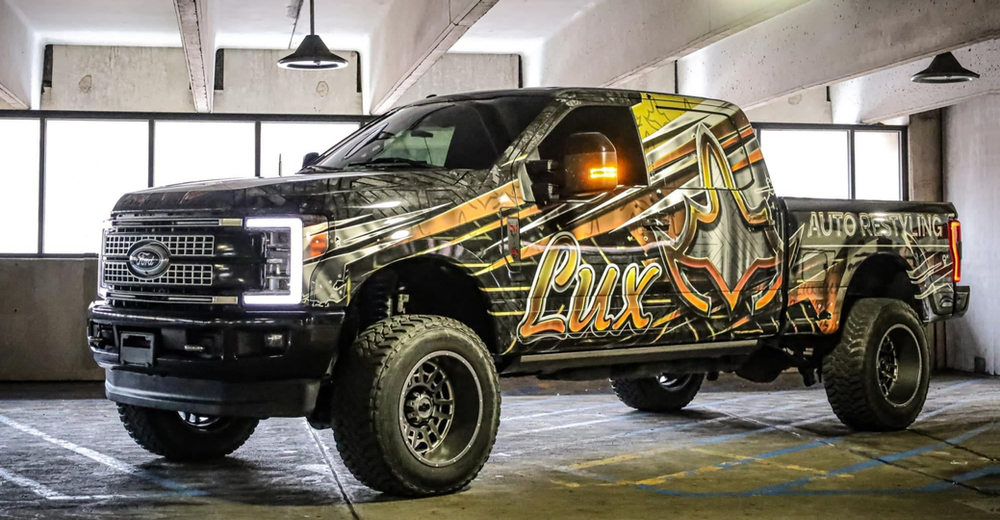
[(282, 261)]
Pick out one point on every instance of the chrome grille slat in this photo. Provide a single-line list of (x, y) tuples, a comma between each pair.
[(118, 244), (193, 275)]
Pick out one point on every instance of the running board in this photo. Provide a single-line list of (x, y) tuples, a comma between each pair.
[(556, 361)]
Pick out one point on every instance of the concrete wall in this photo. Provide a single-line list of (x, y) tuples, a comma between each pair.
[(155, 79), (808, 106), (454, 73), (43, 319), (134, 79), (253, 83), (971, 162)]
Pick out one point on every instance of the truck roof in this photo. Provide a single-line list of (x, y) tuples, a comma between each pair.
[(573, 92)]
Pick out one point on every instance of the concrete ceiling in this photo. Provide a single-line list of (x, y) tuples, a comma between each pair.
[(149, 23), (519, 26)]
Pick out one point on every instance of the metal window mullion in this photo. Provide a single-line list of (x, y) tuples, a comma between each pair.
[(852, 193), (42, 137), (904, 165), (151, 154), (256, 148)]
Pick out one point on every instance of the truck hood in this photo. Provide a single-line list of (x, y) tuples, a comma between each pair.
[(335, 195)]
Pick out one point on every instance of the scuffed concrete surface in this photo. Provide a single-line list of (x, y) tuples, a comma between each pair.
[(774, 450)]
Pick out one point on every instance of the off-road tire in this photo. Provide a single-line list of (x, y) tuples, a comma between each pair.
[(166, 434), (851, 370), (649, 395), (370, 381)]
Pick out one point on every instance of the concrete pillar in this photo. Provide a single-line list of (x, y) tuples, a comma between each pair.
[(614, 42), (890, 93), (412, 36), (455, 73), (20, 65), (972, 182), (825, 41), (925, 179), (194, 19)]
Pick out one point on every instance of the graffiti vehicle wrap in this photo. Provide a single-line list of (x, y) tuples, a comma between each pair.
[(565, 233)]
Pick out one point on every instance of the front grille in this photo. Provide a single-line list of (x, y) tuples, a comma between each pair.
[(179, 245), (117, 273)]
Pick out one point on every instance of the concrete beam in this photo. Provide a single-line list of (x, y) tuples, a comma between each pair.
[(455, 73), (412, 36), (615, 42), (824, 41), (890, 93), (194, 21), (18, 56)]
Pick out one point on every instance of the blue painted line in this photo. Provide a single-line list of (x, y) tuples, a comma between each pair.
[(972, 475), (780, 489)]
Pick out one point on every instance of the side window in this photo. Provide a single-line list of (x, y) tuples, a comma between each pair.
[(617, 124)]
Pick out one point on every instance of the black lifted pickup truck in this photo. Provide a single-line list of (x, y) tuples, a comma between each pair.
[(563, 233)]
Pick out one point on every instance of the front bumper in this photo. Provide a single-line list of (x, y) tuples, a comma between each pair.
[(215, 363)]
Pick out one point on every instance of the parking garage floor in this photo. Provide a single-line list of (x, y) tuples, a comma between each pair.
[(738, 450)]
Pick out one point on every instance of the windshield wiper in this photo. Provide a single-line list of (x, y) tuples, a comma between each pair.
[(318, 168), (385, 161)]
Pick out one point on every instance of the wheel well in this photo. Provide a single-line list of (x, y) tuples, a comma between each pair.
[(881, 276), (420, 286)]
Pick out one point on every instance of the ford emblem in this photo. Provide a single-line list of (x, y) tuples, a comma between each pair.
[(148, 259)]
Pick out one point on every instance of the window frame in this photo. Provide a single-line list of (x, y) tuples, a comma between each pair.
[(42, 116), (903, 136)]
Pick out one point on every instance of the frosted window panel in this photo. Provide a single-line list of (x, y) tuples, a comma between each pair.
[(289, 142), (807, 163), (89, 165), (877, 166), (187, 151), (19, 185)]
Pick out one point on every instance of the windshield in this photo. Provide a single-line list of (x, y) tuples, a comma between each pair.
[(456, 135)]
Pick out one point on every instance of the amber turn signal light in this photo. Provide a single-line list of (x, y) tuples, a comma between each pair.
[(604, 172), (318, 245)]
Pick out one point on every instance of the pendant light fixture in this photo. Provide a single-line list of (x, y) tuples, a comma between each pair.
[(312, 53), (945, 68)]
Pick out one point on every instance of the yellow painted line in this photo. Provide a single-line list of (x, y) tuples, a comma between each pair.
[(662, 479), (505, 289), (506, 313), (658, 302), (470, 266)]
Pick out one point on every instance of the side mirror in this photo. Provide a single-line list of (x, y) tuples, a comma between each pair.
[(590, 166), (309, 158)]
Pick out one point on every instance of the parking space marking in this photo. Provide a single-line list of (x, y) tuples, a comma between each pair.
[(778, 489), (31, 485), (558, 412), (103, 459), (622, 417)]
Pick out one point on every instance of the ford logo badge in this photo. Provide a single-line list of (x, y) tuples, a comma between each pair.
[(148, 259)]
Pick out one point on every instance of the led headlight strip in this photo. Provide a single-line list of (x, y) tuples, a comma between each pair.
[(293, 296)]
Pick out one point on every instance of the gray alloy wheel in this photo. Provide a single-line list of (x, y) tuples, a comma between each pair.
[(877, 376), (416, 405), (428, 408)]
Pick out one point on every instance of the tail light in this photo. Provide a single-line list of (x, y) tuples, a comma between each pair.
[(955, 249)]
